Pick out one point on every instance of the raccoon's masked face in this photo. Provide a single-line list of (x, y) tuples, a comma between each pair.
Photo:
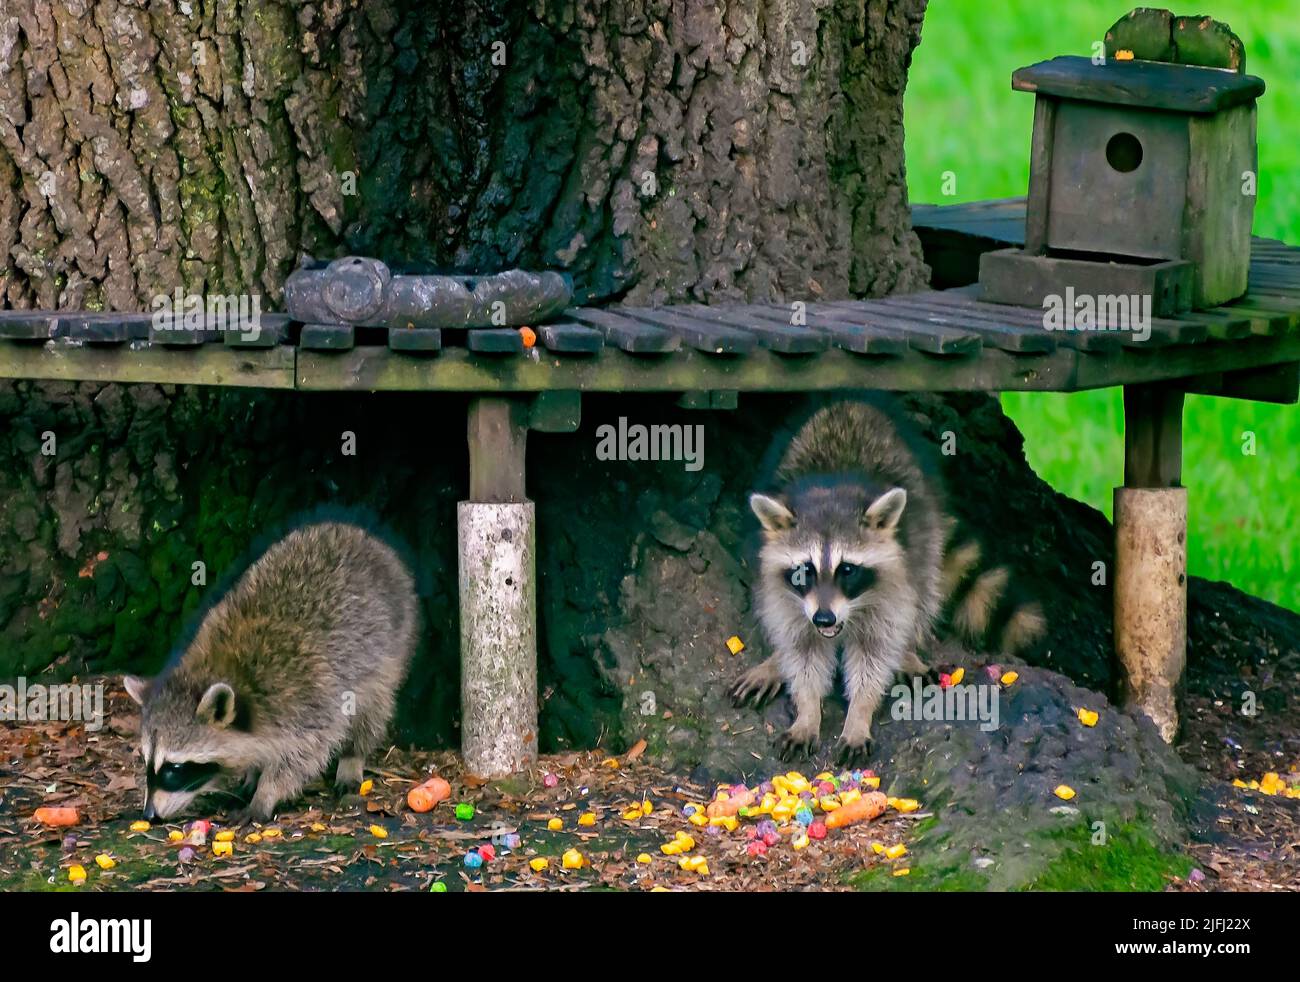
[(184, 740), (829, 548)]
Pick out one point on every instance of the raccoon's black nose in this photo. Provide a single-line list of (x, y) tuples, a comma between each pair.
[(824, 618), (150, 813)]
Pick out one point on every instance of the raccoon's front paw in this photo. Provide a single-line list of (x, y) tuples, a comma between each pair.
[(852, 753), (794, 743), (757, 686), (247, 816)]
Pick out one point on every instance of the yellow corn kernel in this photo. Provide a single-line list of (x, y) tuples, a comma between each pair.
[(252, 838), (175, 835), (671, 848), (896, 850), (735, 645), (695, 864), (140, 826), (223, 848), (225, 836), (539, 864), (367, 786), (77, 873), (1009, 677), (555, 824), (877, 848), (271, 833), (632, 815), (906, 805), (105, 861), (643, 859), (647, 808), (379, 832), (587, 819), (1087, 717), (1064, 792), (572, 860), (957, 675)]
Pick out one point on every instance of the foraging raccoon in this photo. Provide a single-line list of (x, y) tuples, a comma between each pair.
[(299, 661), (855, 557)]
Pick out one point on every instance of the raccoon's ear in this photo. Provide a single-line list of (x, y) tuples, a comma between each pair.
[(217, 705), (886, 510), (773, 514), (136, 687)]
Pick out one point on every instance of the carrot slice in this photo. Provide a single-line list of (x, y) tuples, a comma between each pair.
[(861, 809), (57, 816), (423, 797)]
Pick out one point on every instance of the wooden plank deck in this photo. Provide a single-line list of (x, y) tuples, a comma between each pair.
[(939, 340)]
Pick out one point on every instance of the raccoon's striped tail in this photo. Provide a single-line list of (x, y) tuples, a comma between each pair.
[(985, 606)]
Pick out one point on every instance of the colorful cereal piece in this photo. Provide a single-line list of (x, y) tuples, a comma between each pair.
[(1064, 792), (735, 645), (105, 861), (1087, 717), (573, 859), (539, 864)]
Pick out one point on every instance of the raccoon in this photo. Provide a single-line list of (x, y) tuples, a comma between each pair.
[(854, 567), (298, 663)]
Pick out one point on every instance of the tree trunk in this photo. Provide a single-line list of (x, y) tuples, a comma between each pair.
[(659, 150), (656, 150)]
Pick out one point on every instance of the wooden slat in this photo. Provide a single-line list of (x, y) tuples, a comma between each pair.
[(416, 340), (94, 327), (932, 339), (1029, 317), (789, 339), (28, 325), (703, 335), (570, 338), (494, 340), (273, 329), (327, 337), (624, 332), (844, 332), (1007, 335)]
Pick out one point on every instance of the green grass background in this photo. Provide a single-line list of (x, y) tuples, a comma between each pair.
[(962, 116)]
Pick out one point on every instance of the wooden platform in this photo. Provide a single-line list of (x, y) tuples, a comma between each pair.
[(941, 340)]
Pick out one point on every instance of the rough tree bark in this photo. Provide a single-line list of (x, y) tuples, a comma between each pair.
[(654, 149), (660, 149)]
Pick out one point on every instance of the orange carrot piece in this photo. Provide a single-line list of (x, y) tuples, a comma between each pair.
[(729, 806), (861, 809), (424, 796), (57, 816)]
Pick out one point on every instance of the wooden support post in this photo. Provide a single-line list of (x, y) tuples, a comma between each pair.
[(1151, 555), (498, 595)]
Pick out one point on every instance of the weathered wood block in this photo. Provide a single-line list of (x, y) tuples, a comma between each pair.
[(1011, 276)]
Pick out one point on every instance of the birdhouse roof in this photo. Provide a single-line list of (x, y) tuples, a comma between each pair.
[(1142, 84)]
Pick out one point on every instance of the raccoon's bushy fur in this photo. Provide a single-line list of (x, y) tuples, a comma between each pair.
[(298, 663), (853, 568)]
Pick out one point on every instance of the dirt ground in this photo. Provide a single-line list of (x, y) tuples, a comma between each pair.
[(323, 842)]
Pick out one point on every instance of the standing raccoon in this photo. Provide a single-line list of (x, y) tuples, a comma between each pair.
[(298, 663), (855, 559)]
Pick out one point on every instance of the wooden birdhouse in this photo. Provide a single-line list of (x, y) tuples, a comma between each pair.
[(1142, 181)]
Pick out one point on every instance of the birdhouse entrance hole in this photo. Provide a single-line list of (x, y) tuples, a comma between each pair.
[(1124, 152)]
